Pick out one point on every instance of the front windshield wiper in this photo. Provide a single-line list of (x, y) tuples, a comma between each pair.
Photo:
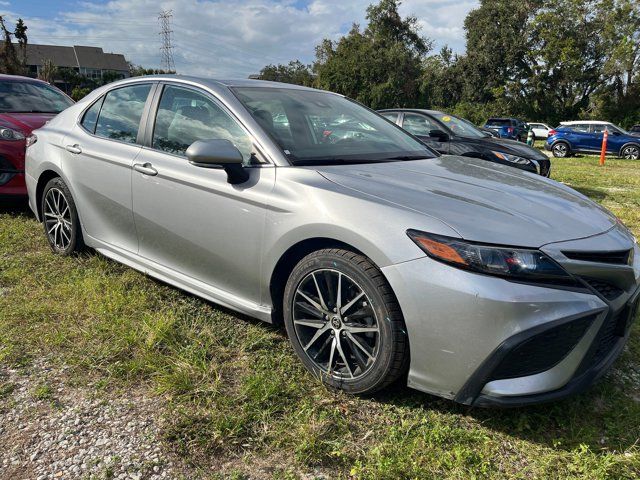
[(407, 157), (341, 161)]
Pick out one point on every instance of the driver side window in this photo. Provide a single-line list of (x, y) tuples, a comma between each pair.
[(185, 116), (418, 125)]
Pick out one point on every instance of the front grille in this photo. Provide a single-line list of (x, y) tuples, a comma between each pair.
[(542, 351), (545, 166), (608, 291), (617, 257)]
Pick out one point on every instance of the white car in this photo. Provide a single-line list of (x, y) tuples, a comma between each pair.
[(540, 130)]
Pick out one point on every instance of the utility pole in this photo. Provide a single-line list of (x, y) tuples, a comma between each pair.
[(166, 50)]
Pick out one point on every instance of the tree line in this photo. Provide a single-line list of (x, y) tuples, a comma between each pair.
[(550, 60)]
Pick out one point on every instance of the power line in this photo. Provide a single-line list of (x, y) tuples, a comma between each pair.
[(166, 49)]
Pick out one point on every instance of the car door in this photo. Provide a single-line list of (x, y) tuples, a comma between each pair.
[(427, 130), (580, 137), (101, 150), (189, 218)]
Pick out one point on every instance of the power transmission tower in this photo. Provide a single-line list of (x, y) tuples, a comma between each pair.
[(166, 50)]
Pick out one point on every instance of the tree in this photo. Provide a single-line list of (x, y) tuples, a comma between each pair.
[(294, 72), (380, 66), (48, 71), (13, 62)]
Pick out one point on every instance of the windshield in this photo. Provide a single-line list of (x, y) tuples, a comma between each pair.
[(31, 97), (460, 126), (315, 127)]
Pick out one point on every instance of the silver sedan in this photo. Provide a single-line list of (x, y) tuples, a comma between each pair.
[(383, 259)]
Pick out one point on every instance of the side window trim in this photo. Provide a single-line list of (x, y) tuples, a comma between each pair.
[(141, 125), (84, 113), (153, 113)]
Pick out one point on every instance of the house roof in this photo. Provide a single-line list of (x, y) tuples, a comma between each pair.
[(77, 56)]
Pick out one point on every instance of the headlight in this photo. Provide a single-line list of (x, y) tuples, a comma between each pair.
[(515, 263), (511, 158), (9, 134)]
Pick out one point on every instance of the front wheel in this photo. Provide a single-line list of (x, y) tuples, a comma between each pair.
[(632, 152), (344, 322), (560, 150), (60, 218)]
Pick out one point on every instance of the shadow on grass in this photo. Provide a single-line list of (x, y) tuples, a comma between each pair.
[(17, 206)]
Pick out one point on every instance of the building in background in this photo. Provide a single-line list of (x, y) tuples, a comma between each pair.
[(90, 62)]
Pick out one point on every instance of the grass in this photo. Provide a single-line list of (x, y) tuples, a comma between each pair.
[(234, 393)]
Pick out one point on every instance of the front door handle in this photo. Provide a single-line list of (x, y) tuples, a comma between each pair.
[(74, 148), (145, 168)]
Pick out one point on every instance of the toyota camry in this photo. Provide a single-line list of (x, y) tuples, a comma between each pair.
[(383, 259)]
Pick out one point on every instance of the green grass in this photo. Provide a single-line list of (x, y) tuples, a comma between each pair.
[(234, 391)]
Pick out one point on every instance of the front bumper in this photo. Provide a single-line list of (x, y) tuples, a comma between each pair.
[(12, 180), (462, 325)]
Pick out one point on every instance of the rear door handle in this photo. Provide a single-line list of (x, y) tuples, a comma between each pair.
[(74, 148), (145, 168)]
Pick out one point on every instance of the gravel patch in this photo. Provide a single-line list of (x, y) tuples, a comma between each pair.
[(50, 430)]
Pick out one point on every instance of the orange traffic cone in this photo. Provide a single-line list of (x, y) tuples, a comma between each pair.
[(603, 152)]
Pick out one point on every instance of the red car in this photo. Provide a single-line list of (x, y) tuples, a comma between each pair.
[(25, 104)]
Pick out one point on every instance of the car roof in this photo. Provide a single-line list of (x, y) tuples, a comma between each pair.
[(212, 82), (20, 78), (415, 110), (588, 122)]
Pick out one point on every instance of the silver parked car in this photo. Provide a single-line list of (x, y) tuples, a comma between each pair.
[(384, 260)]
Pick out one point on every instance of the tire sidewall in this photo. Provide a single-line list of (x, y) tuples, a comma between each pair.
[(377, 373), (75, 223)]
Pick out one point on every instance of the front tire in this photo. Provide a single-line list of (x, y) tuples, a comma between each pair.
[(344, 322), (560, 150), (60, 219)]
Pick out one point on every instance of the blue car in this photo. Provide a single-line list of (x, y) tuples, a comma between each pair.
[(510, 128), (586, 137)]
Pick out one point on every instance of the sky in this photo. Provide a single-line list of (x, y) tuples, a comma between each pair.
[(223, 39)]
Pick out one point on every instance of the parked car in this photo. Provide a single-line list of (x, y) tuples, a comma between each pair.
[(453, 135), (540, 130), (635, 130), (492, 133), (25, 104), (507, 288), (510, 128), (587, 136)]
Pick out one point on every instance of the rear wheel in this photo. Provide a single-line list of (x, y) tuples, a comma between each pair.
[(344, 322), (631, 152), (60, 218), (560, 150)]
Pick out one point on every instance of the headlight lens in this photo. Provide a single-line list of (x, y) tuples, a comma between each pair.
[(511, 158), (10, 134), (516, 263)]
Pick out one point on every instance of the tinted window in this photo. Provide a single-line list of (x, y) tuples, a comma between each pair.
[(581, 128), (390, 116), (185, 116), (499, 122), (121, 113), (91, 116), (327, 128), (31, 97), (419, 124), (460, 126)]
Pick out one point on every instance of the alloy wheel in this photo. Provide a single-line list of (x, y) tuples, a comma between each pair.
[(336, 324), (57, 219), (631, 153), (560, 150)]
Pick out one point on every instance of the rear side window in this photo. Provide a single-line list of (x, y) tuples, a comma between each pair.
[(393, 117), (121, 112), (580, 128), (91, 116)]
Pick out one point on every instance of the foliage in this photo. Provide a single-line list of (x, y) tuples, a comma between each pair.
[(295, 72), (138, 71), (541, 60), (12, 58), (48, 72)]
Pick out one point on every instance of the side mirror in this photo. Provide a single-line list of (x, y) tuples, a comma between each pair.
[(439, 135), (218, 154)]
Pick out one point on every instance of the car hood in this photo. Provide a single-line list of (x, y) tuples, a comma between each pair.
[(512, 147), (25, 122), (483, 202)]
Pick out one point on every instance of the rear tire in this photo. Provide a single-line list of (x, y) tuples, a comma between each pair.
[(344, 322), (631, 152), (561, 150), (60, 219)]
